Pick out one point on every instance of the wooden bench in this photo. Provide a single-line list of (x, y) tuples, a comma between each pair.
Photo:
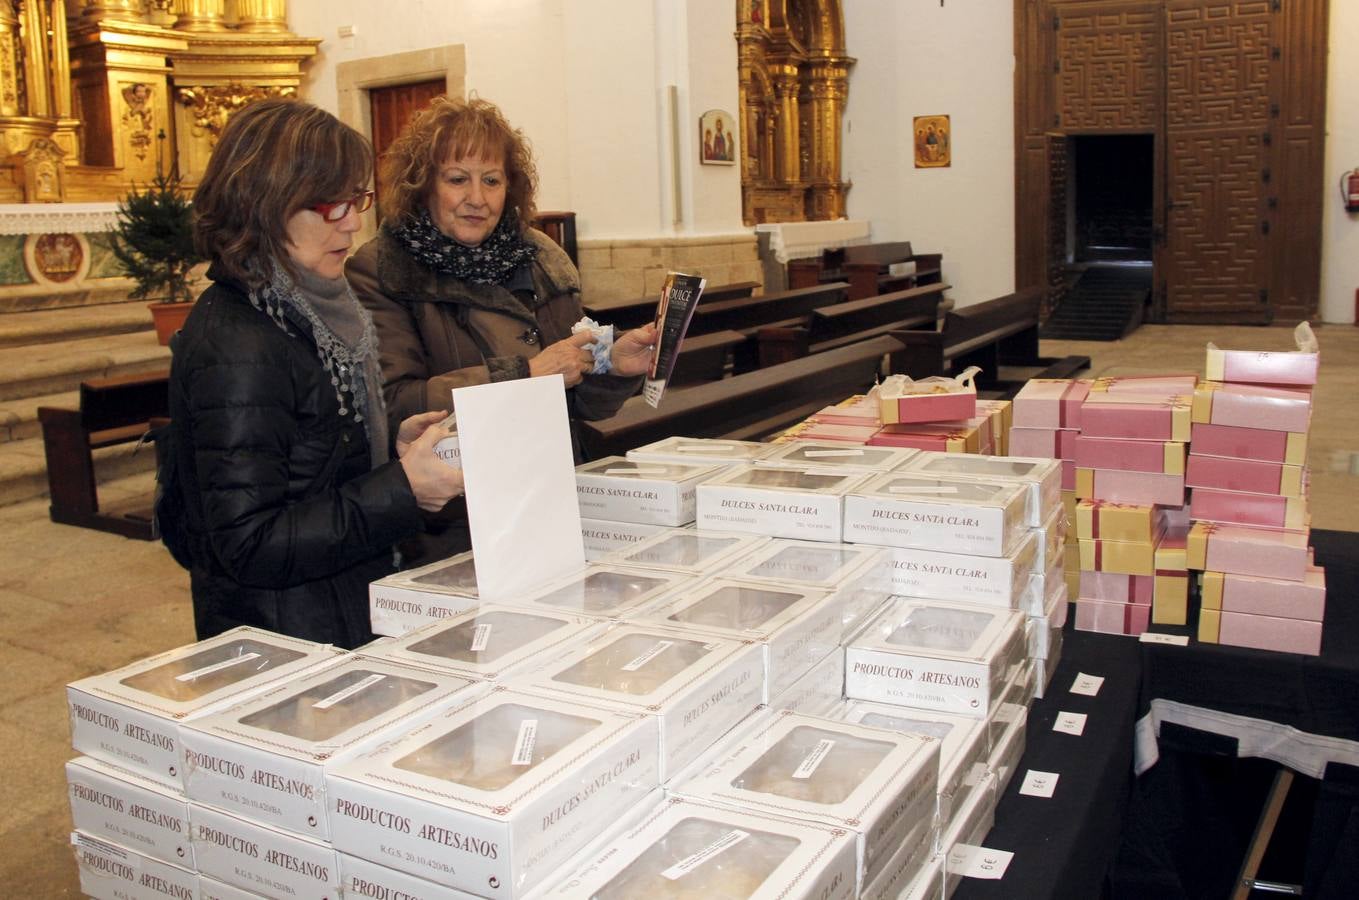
[(750, 406), (999, 332), (112, 411), (624, 313), (705, 357), (867, 268), (835, 326)]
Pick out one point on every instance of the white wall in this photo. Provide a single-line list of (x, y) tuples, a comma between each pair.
[(917, 58), (1340, 230)]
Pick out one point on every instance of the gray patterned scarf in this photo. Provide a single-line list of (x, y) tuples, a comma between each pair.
[(490, 262)]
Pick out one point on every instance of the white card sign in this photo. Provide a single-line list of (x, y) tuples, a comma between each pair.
[(1174, 640), (1069, 723), (972, 861), (1038, 784), (1087, 685)]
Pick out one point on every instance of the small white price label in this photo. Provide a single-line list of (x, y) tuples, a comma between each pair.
[(1038, 784), (978, 862), (813, 454), (1174, 640), (1069, 723), (1087, 685)]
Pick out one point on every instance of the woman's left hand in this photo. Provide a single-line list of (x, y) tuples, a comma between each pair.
[(632, 351), (412, 428)]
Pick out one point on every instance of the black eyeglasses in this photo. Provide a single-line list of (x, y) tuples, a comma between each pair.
[(334, 212)]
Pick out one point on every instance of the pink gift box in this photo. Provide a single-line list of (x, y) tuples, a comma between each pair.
[(853, 414), (1304, 599), (1270, 633), (1068, 475), (1111, 618), (1145, 384), (1050, 443), (1253, 406), (1267, 552), (1116, 587), (917, 408), (1262, 366), (1238, 508), (1136, 488), (1049, 403), (1249, 443), (1226, 474), (819, 431), (1166, 457), (1137, 416)]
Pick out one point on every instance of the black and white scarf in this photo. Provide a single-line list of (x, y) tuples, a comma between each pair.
[(490, 262), (346, 342)]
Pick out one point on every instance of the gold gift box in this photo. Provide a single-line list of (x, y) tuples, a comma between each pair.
[(1122, 557), (1107, 521)]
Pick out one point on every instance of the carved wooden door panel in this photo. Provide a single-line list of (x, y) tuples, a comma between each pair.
[(392, 107), (1108, 73), (1219, 97), (1059, 166)]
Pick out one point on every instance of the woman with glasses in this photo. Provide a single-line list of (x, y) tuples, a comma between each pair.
[(286, 501), (463, 291)]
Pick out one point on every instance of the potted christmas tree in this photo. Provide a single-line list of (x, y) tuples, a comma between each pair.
[(153, 242)]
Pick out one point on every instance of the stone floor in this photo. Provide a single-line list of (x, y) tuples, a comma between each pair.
[(75, 602)]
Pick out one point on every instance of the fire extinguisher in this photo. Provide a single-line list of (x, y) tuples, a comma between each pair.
[(1349, 190)]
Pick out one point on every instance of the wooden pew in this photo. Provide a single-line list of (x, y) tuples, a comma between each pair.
[(705, 357), (999, 332), (744, 407), (869, 278), (624, 313), (866, 267), (834, 326), (112, 411)]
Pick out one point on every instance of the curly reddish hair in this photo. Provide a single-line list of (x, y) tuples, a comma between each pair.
[(448, 129)]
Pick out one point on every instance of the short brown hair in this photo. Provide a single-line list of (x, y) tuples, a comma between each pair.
[(275, 157), (453, 128)]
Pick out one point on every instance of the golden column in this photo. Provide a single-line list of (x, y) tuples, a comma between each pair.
[(9, 57), (827, 82), (262, 16), (122, 10), (786, 167), (200, 15)]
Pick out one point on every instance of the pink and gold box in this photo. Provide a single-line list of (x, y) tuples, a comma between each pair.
[(1113, 587), (1140, 488), (1267, 552), (1170, 589), (1250, 443), (1252, 476), (928, 437), (1262, 366), (1268, 633), (999, 412), (1120, 557), (1304, 599), (818, 431), (935, 400), (1253, 406), (1145, 384), (1239, 508), (1166, 457), (1050, 403), (1106, 520), (1108, 617), (1137, 416), (1054, 443)]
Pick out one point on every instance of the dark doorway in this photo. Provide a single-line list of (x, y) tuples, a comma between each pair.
[(1113, 197), (392, 107)]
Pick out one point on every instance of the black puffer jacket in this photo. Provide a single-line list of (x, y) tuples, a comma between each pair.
[(286, 521)]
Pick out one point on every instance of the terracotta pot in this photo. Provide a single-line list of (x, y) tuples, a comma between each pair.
[(168, 318)]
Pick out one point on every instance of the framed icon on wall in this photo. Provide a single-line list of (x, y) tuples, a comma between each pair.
[(933, 142), (717, 133)]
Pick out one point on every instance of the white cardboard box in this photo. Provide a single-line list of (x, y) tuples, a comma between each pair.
[(838, 455), (1045, 631), (1051, 538), (1043, 669), (910, 863), (492, 795), (927, 883), (604, 591), (971, 824), (1014, 700), (877, 784), (603, 538), (806, 563), (801, 502), (370, 881), (645, 491), (1004, 758), (407, 600), (696, 685), (1045, 587), (701, 451), (1043, 476), (983, 518), (998, 581), (691, 848), (132, 716), (125, 807), (931, 655), (270, 862), (796, 627), (488, 643), (111, 871), (819, 691), (688, 550), (212, 889), (265, 759)]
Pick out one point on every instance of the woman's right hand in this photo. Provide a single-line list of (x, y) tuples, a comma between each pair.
[(566, 358), (433, 481)]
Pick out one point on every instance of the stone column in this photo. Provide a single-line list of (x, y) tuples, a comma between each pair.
[(262, 16), (200, 15)]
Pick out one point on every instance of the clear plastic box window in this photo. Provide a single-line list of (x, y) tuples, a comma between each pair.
[(940, 489), (788, 479), (818, 564), (736, 607), (951, 630), (977, 465), (492, 750), (337, 705), (487, 637), (209, 670), (617, 467), (815, 765), (459, 576), (602, 592), (904, 725), (848, 455), (690, 550), (635, 663)]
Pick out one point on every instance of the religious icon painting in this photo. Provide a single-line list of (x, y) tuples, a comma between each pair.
[(717, 134), (933, 142)]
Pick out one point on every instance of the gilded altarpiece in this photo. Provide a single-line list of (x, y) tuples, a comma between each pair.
[(794, 77)]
